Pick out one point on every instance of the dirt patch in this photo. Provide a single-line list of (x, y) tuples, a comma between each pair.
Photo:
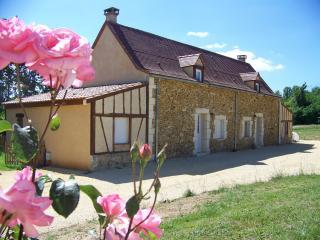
[(167, 210)]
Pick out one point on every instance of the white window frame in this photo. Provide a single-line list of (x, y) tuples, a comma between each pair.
[(220, 133), (121, 130), (247, 129), (243, 127), (198, 70), (257, 86)]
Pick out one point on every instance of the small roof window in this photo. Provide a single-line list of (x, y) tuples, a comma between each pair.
[(257, 86), (198, 74)]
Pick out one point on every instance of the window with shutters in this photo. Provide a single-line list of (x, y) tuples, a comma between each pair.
[(246, 127), (220, 127)]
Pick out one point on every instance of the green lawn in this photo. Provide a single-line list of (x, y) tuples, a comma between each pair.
[(308, 132), (284, 208), (3, 166)]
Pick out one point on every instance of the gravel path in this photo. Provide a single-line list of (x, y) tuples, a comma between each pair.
[(197, 174)]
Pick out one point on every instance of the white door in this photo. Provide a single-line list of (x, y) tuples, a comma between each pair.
[(201, 128), (198, 133), (259, 132)]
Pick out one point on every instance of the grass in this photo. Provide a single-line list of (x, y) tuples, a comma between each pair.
[(284, 208), (3, 166), (308, 132), (188, 193)]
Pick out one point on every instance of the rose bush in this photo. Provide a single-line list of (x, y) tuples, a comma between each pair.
[(60, 56), (144, 222), (20, 205), (16, 42), (63, 59)]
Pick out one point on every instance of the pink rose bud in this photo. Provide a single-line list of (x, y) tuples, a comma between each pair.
[(112, 204), (145, 152)]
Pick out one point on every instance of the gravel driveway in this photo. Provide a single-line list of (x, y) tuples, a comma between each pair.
[(197, 174)]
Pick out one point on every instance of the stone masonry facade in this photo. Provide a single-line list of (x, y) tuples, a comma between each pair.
[(178, 101)]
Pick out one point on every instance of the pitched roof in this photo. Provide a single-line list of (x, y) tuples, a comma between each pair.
[(160, 56), (77, 95)]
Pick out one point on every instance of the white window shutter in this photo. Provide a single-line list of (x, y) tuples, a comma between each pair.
[(222, 128)]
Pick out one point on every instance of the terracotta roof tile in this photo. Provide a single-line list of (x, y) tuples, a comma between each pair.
[(77, 93), (160, 56)]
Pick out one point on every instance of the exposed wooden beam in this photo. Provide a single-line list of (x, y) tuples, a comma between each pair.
[(122, 115), (104, 134), (139, 100), (94, 98)]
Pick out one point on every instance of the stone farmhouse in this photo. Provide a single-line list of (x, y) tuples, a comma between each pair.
[(159, 91)]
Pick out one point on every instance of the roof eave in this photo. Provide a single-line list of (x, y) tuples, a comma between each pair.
[(46, 103), (212, 84)]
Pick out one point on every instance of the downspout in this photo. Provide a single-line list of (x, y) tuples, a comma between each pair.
[(156, 116), (235, 122)]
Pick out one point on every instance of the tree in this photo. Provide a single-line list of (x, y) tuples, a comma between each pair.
[(287, 93), (304, 104), (278, 93), (30, 84)]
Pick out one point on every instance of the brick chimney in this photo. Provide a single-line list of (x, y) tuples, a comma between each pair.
[(111, 14), (242, 58)]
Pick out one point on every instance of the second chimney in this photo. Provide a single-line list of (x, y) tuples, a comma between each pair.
[(111, 14), (242, 58)]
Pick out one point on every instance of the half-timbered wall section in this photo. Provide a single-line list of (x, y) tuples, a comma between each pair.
[(118, 120), (285, 125)]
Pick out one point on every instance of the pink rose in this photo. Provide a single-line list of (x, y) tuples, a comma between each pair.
[(118, 232), (26, 174), (114, 232), (152, 224), (145, 152), (64, 56), (60, 56), (112, 205), (16, 42), (26, 208)]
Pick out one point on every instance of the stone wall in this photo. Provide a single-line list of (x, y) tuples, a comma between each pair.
[(110, 160), (176, 122)]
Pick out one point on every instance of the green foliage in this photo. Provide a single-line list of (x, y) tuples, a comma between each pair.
[(5, 126), (55, 123), (284, 208), (31, 83), (2, 113), (40, 184), (132, 206), (65, 196), (188, 193), (304, 104), (24, 142), (93, 194)]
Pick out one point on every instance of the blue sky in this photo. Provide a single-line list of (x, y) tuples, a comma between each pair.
[(281, 38)]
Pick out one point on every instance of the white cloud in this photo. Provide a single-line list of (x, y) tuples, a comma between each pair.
[(258, 63), (198, 34), (215, 45)]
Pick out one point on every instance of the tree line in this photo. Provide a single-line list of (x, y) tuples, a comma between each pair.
[(304, 103), (30, 84)]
